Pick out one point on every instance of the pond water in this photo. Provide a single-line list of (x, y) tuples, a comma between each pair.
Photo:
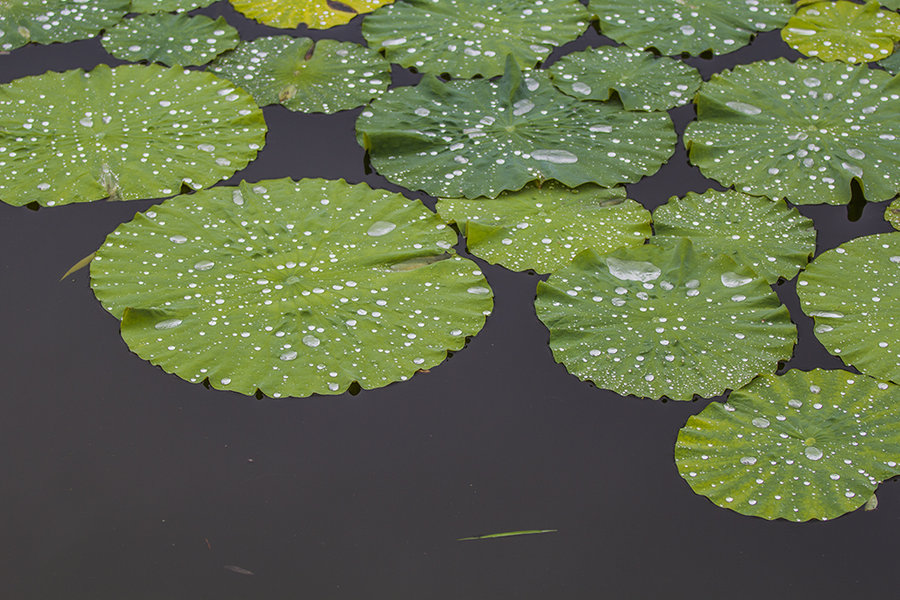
[(124, 482)]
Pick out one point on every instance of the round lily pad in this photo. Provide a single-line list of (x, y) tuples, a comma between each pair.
[(798, 446), (769, 236), (480, 137), (800, 130), (290, 288), (300, 74), (159, 6), (853, 292), (125, 133), (315, 14), (48, 21), (676, 26), (642, 81), (892, 213), (472, 37), (844, 31), (170, 39), (658, 321), (543, 228)]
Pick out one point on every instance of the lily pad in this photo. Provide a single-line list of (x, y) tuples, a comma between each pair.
[(48, 21), (642, 81), (290, 288), (324, 76), (159, 6), (170, 39), (892, 214), (125, 133), (674, 26), (473, 37), (543, 228), (853, 292), (798, 446), (769, 236), (315, 14), (669, 321), (478, 138), (801, 130), (891, 64), (844, 31)]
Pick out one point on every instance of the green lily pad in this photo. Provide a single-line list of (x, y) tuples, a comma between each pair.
[(844, 31), (669, 321), (160, 6), (544, 228), (170, 39), (472, 37), (48, 21), (892, 214), (769, 236), (799, 130), (324, 76), (642, 81), (291, 288), (315, 14), (125, 133), (675, 26), (480, 137), (798, 446), (891, 64), (853, 292)]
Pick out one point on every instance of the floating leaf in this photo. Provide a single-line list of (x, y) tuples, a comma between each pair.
[(642, 81), (48, 21), (478, 138), (324, 76), (774, 239), (853, 292), (674, 26), (544, 228), (663, 321), (316, 14), (892, 213), (170, 39), (799, 446), (799, 130), (891, 64), (158, 6), (491, 536), (472, 37), (292, 288), (125, 133)]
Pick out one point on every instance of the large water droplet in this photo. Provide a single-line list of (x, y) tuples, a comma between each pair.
[(813, 453), (522, 107), (204, 265), (290, 355), (168, 324), (311, 341), (632, 270), (748, 460), (743, 107), (380, 228), (732, 280), (760, 422), (559, 157)]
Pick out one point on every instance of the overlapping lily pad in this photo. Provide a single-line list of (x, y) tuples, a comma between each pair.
[(799, 446), (48, 21), (843, 31), (291, 288), (892, 214), (158, 6), (641, 81), (125, 133), (772, 238), (478, 138), (544, 228), (800, 130), (664, 321), (853, 292), (170, 39), (315, 14), (323, 76), (675, 26), (472, 37), (892, 63)]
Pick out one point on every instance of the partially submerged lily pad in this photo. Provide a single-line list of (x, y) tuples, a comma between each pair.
[(642, 81), (769, 236), (48, 21), (544, 228), (175, 6), (801, 130), (291, 288), (843, 31), (478, 138), (316, 14), (472, 37), (674, 26), (798, 446), (664, 321), (853, 292), (304, 75), (125, 133), (892, 213), (170, 39)]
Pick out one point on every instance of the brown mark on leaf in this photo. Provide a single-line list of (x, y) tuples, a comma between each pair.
[(309, 54), (340, 6), (287, 93), (23, 31)]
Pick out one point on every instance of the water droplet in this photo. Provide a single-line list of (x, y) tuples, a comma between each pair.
[(168, 324), (479, 290), (311, 341), (237, 197), (813, 453), (743, 107), (290, 355), (204, 265), (522, 107), (687, 30), (732, 280), (177, 239), (760, 422), (559, 157), (380, 228), (632, 270), (581, 88), (748, 460), (795, 403)]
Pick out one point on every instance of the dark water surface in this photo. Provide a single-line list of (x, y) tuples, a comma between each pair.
[(123, 482)]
